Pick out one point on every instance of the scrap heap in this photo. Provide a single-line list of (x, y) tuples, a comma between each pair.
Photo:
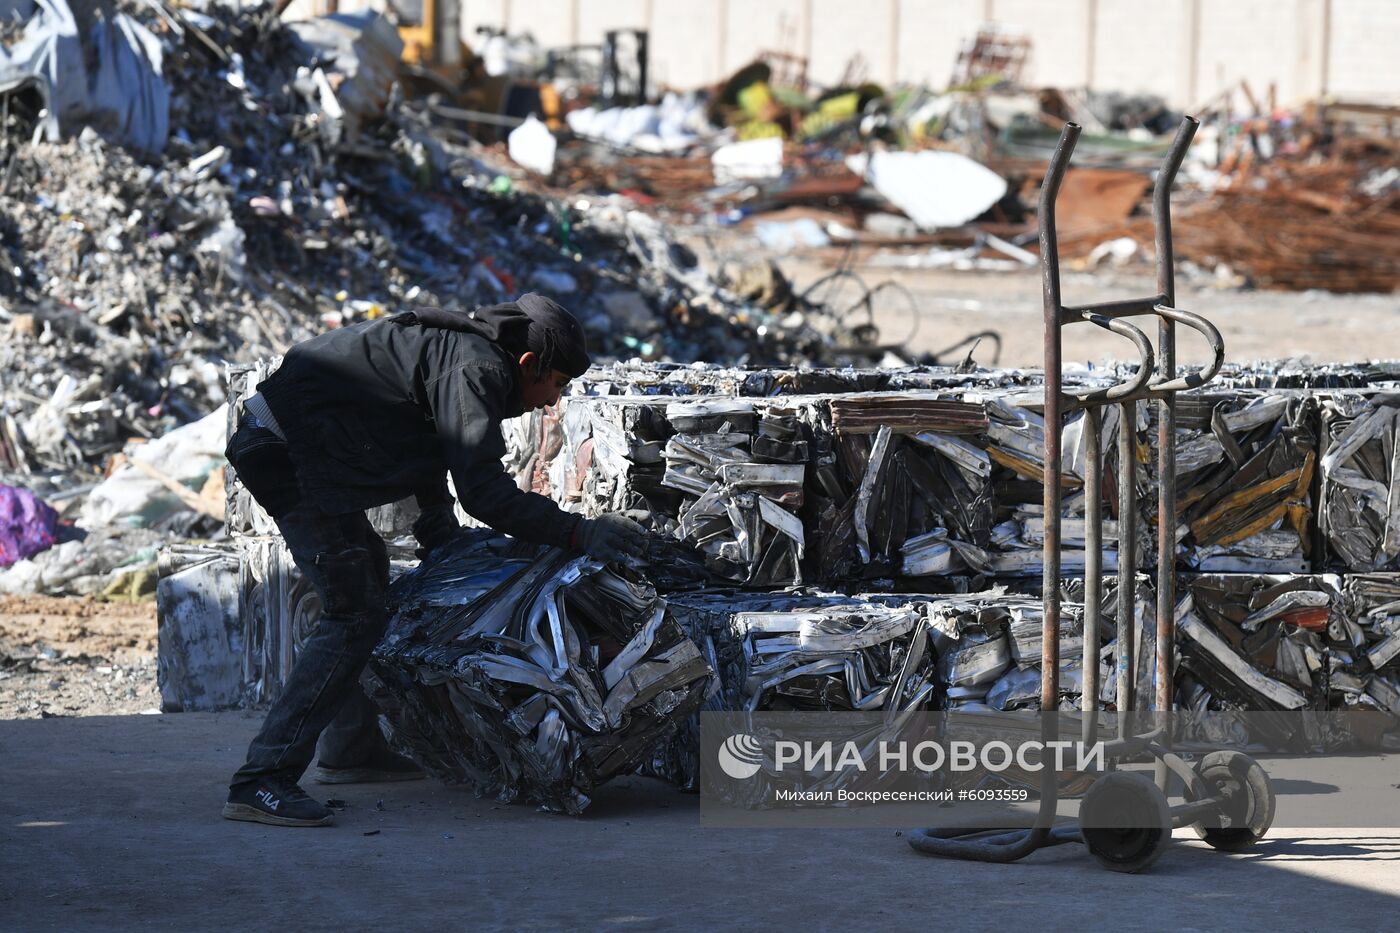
[(541, 675), (232, 185), (1324, 216), (828, 538), (273, 211)]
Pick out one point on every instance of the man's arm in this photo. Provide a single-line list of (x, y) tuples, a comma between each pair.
[(466, 403), (436, 522)]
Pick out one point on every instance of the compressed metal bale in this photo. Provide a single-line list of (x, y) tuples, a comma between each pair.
[(532, 674), (954, 483), (989, 651), (231, 617), (1245, 465), (1258, 643), (806, 651), (732, 494), (814, 651), (1366, 646), (742, 468), (1013, 453), (199, 629), (1360, 513), (905, 492), (606, 456)]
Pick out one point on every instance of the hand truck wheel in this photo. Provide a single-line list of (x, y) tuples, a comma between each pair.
[(1249, 809), (1125, 821)]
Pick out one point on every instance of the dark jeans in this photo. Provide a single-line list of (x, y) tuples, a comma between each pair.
[(347, 563)]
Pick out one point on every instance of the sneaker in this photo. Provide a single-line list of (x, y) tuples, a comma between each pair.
[(382, 767), (277, 802)]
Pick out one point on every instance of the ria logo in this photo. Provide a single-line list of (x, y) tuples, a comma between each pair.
[(740, 756)]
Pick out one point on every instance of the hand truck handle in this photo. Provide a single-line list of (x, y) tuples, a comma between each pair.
[(1123, 390), (1207, 330)]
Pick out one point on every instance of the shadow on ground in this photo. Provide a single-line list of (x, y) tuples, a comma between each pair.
[(109, 822)]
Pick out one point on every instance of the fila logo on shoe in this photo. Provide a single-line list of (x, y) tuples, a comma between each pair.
[(270, 801)]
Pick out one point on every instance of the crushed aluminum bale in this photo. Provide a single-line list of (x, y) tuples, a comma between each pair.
[(534, 677), (1360, 514), (1254, 641), (200, 632), (1245, 462)]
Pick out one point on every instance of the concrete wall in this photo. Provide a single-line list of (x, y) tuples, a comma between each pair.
[(1185, 50)]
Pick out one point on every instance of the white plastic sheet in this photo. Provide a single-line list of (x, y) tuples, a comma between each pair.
[(936, 189), (751, 159), (531, 145), (672, 126), (186, 455)]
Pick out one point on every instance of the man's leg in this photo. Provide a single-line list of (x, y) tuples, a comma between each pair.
[(352, 750), (348, 565), (342, 557), (350, 739)]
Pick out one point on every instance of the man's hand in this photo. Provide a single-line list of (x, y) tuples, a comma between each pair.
[(433, 528), (611, 538)]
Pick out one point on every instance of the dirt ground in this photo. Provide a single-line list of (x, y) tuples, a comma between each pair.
[(76, 657), (1318, 327)]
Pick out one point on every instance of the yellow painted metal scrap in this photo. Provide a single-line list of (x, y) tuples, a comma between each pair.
[(1222, 524)]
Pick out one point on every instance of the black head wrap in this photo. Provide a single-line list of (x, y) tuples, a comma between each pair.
[(530, 323)]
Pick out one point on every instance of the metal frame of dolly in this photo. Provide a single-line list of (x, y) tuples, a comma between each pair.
[(1125, 819)]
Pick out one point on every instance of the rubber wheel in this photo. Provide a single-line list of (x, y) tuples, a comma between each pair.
[(1125, 821), (1250, 806)]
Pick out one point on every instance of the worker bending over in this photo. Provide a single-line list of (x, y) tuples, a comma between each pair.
[(367, 415)]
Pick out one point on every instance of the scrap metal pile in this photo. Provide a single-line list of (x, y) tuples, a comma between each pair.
[(1324, 216), (939, 478), (838, 540), (943, 176), (184, 190)]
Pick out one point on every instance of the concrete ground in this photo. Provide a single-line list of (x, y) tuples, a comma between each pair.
[(112, 823)]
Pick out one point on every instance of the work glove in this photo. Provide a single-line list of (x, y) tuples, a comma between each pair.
[(433, 528), (611, 538)]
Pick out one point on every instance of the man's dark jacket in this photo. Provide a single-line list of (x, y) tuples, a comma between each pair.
[(382, 410)]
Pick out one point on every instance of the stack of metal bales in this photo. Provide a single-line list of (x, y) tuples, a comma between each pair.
[(1284, 481), (872, 541)]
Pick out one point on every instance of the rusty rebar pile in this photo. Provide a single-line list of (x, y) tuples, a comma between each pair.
[(1327, 223)]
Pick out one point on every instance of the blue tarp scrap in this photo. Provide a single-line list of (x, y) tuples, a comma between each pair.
[(125, 97)]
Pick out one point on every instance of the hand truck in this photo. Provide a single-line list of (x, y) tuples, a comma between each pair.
[(1125, 819)]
